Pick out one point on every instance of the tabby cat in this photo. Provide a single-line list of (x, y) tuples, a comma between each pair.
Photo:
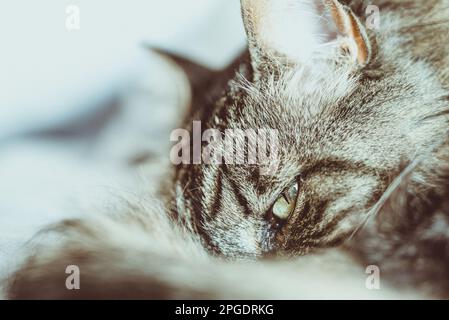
[(361, 178)]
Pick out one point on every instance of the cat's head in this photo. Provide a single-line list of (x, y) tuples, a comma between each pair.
[(350, 106)]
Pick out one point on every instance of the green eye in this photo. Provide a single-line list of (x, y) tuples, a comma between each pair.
[(286, 203)]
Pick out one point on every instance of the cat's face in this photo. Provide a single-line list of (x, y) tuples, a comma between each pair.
[(346, 122)]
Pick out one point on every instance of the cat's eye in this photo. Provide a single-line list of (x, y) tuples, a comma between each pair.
[(286, 203)]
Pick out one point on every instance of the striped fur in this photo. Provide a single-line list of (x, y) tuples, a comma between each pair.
[(344, 131)]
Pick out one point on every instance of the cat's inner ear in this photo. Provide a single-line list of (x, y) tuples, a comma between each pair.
[(300, 30)]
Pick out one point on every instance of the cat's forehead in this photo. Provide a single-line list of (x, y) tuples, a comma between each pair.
[(302, 92)]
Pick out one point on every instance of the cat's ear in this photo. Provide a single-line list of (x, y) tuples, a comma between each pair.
[(300, 30), (197, 75)]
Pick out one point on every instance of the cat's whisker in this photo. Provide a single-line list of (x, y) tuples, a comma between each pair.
[(423, 25), (386, 195)]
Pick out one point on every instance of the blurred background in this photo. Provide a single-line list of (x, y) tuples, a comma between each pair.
[(82, 101)]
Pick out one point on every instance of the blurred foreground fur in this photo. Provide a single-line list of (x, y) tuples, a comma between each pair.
[(144, 255)]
